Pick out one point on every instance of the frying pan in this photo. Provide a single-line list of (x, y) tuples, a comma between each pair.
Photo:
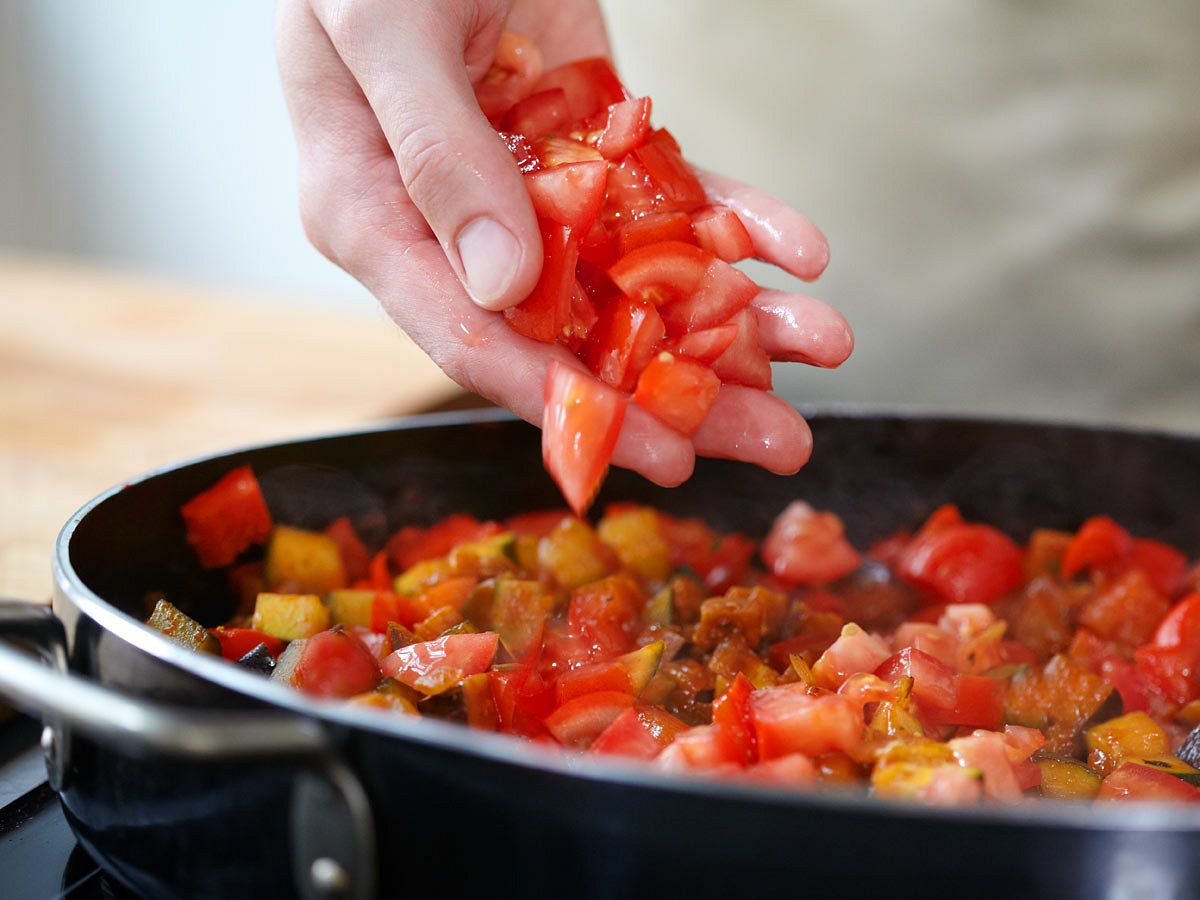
[(186, 776)]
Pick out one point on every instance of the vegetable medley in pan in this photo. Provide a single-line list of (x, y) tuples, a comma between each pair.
[(950, 665)]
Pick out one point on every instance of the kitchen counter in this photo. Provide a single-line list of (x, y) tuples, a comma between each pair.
[(105, 374)]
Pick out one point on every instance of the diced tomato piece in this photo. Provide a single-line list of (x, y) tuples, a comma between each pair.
[(1128, 681), (522, 151), (538, 115), (988, 752), (978, 703), (579, 721), (623, 341), (722, 293), (731, 715), (515, 68), (935, 685), (660, 156), (546, 311), (719, 231), (379, 574), (580, 424), (661, 273), (1133, 781), (726, 561), (698, 749), (1170, 663), (1043, 554), (641, 732), (1162, 563), (569, 194), (468, 654), (625, 127), (597, 248), (589, 85), (654, 229), (411, 545), (805, 546), (632, 194), (962, 563), (605, 676), (1127, 610), (677, 391), (582, 320), (788, 719), (388, 607), (606, 614), (556, 151), (793, 770), (227, 519), (745, 362), (335, 664), (1099, 542), (523, 700), (707, 345), (355, 558), (237, 642), (1181, 626), (853, 652), (536, 524)]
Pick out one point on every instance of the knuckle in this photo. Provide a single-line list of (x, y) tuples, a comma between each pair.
[(426, 164)]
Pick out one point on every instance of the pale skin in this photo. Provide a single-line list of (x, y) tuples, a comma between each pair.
[(397, 162)]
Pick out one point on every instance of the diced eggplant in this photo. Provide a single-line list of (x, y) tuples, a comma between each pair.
[(288, 662), (182, 628), (1189, 750), (258, 660)]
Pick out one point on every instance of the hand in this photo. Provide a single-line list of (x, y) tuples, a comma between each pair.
[(404, 184)]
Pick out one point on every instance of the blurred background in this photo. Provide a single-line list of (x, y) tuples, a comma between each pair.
[(1011, 193)]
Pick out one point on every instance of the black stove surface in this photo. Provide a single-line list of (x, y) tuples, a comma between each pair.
[(39, 857)]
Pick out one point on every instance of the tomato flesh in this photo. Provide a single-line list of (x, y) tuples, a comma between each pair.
[(661, 273), (568, 194), (719, 231), (580, 425), (962, 563), (466, 654), (621, 343), (538, 115), (722, 293), (677, 391), (334, 664), (543, 314), (589, 86), (805, 546), (654, 229)]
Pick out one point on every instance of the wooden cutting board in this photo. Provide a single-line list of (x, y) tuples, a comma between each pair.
[(105, 374)]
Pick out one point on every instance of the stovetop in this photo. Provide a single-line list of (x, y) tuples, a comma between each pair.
[(39, 857)]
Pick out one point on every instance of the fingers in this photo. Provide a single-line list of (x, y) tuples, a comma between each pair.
[(408, 59), (795, 328), (755, 427), (781, 235)]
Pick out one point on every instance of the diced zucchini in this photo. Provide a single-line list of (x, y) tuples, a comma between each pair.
[(1068, 779), (519, 609), (289, 659), (641, 664), (661, 607), (573, 554), (182, 628), (1172, 765), (290, 616), (413, 581), (635, 536), (351, 608), (303, 562), (1130, 735)]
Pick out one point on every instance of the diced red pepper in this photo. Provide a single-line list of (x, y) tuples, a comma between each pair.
[(355, 558), (237, 642), (227, 519)]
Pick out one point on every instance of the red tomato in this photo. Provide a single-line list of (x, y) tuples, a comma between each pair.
[(935, 685), (788, 719), (962, 563), (379, 576), (631, 194), (677, 391), (707, 345), (334, 664), (577, 722), (1133, 781), (665, 165), (1125, 677), (662, 272), (536, 524), (626, 124), (654, 229), (468, 653), (745, 362), (522, 151), (569, 194), (515, 68), (523, 700), (237, 642), (1099, 542), (228, 518), (606, 614), (725, 562), (641, 732), (355, 558), (538, 115), (597, 248), (607, 676), (1162, 563), (546, 311), (1170, 663), (805, 546), (978, 703), (1126, 610), (580, 424), (719, 231), (698, 749), (411, 545), (589, 85), (623, 341), (731, 715), (723, 292)]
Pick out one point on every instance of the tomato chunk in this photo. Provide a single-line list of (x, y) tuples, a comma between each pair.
[(626, 125), (622, 341), (227, 519), (568, 194), (677, 391), (719, 231), (589, 86), (1132, 781), (707, 345), (543, 314), (538, 115), (788, 719), (456, 655), (962, 563), (580, 425), (665, 165), (515, 68), (579, 721), (335, 664), (661, 273), (735, 724), (723, 292), (805, 546), (744, 361), (654, 229), (355, 558), (1099, 542), (640, 732)]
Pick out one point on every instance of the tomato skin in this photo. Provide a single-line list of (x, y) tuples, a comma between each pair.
[(411, 544), (631, 194), (600, 677), (707, 345), (515, 68), (677, 391), (935, 685), (605, 614), (787, 719), (665, 165), (722, 293), (1132, 781), (661, 273), (335, 664), (805, 546), (653, 229), (522, 151), (626, 125), (569, 194), (719, 231), (1170, 662), (735, 724), (468, 653), (962, 563), (589, 86), (543, 314), (978, 703), (640, 732), (1099, 542), (577, 722), (1162, 563), (227, 519), (580, 425), (538, 115), (237, 642), (744, 361), (622, 342)]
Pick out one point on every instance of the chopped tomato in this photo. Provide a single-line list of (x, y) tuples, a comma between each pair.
[(665, 165), (731, 715), (661, 273), (589, 85), (1170, 663), (698, 749), (622, 342), (722, 293), (962, 563), (626, 124), (1133, 781), (411, 545), (1099, 542), (808, 547), (237, 642), (788, 719), (654, 229), (854, 651), (1162, 563), (523, 700), (227, 519), (677, 391), (522, 151), (420, 665), (538, 115), (631, 194), (641, 732), (1043, 554), (978, 703), (1126, 611), (707, 345), (719, 231), (335, 664), (568, 194), (935, 685), (580, 424), (605, 613), (545, 312), (515, 68), (744, 361), (355, 558), (578, 722)]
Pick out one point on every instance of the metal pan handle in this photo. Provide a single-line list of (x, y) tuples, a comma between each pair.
[(136, 726)]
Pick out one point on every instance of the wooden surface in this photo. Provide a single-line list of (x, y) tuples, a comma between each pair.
[(104, 375)]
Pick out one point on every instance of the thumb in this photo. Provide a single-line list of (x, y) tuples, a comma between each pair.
[(455, 168)]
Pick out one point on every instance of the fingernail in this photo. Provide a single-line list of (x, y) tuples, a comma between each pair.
[(489, 255)]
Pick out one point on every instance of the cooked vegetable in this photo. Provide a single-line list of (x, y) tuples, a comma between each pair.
[(182, 628), (303, 562), (227, 519), (290, 616), (258, 660)]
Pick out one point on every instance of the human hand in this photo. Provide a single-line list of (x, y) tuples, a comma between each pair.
[(404, 184)]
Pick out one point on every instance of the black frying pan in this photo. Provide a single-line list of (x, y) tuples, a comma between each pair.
[(189, 777)]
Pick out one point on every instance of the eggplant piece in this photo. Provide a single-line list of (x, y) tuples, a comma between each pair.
[(289, 659), (182, 628), (258, 660), (1189, 750)]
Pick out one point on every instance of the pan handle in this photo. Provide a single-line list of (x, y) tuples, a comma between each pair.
[(140, 727)]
